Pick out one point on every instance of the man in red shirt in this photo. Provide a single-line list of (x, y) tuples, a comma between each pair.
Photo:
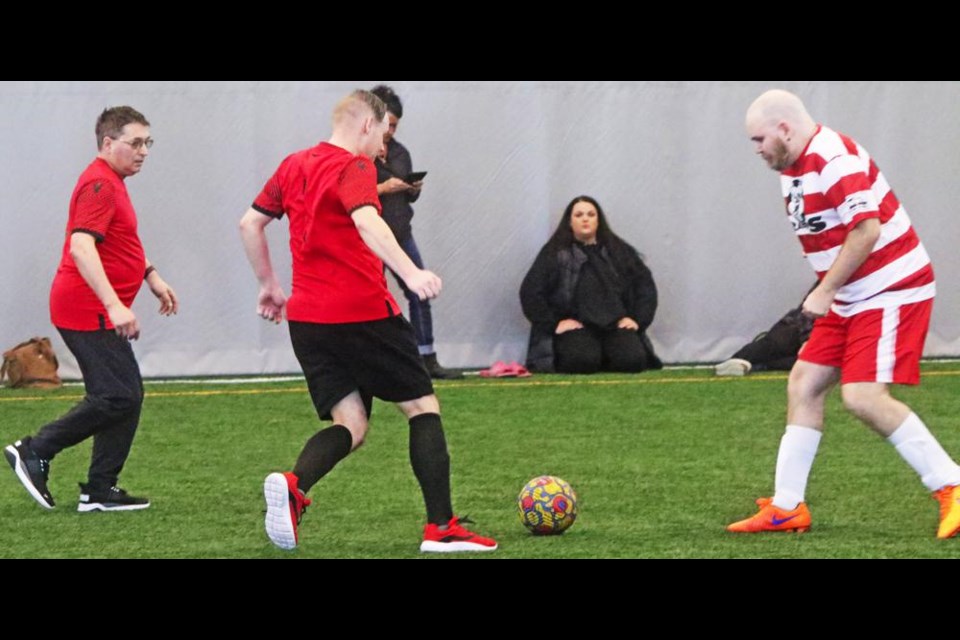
[(101, 269), (872, 308), (346, 328)]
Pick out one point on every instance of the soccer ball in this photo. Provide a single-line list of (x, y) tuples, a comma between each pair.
[(547, 505)]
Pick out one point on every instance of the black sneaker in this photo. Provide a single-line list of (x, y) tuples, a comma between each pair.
[(437, 372), (113, 499), (31, 469)]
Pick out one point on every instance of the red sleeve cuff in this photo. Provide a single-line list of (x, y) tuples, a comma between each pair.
[(96, 235), (860, 217)]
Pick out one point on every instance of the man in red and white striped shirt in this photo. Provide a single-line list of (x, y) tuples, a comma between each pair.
[(872, 308)]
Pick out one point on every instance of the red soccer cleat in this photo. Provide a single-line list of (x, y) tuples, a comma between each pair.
[(454, 538), (285, 507)]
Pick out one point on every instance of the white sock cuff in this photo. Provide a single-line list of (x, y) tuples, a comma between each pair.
[(805, 437), (911, 429), (921, 450)]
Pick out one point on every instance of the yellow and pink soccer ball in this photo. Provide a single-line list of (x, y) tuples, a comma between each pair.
[(547, 505)]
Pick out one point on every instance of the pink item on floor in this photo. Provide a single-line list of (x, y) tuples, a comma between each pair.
[(501, 369)]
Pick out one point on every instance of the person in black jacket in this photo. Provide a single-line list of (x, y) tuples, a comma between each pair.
[(590, 299), (772, 350), (396, 197)]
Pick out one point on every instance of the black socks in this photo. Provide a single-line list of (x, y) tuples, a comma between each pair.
[(431, 465), (321, 454), (428, 457)]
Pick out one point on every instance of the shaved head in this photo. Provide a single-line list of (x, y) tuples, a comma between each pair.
[(780, 126), (778, 105)]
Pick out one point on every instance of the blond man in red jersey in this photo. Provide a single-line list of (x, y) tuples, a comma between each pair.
[(345, 326)]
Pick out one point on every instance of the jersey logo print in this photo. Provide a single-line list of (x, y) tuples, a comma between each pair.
[(795, 210), (795, 204)]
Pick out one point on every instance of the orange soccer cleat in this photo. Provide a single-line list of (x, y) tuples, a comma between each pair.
[(949, 498), (772, 518)]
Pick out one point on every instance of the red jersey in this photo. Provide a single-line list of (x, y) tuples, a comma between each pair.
[(101, 207), (336, 277), (831, 188)]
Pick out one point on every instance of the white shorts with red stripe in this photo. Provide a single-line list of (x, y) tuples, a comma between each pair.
[(878, 345)]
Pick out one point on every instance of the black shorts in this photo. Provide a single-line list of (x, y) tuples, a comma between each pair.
[(377, 358)]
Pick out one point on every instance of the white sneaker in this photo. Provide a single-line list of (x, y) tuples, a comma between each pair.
[(285, 507), (733, 367)]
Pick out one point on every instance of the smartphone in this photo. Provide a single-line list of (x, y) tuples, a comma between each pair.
[(416, 176)]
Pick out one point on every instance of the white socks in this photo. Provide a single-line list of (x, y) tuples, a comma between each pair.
[(798, 448), (912, 440), (920, 449)]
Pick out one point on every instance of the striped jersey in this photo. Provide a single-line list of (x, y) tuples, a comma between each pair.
[(832, 187)]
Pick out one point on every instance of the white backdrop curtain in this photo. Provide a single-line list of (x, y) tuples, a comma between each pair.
[(669, 162)]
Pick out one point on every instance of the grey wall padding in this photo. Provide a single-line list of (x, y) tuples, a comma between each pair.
[(669, 162)]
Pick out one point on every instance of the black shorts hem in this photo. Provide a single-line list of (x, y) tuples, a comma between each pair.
[(378, 358)]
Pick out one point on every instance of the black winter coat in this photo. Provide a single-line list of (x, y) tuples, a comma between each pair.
[(548, 291)]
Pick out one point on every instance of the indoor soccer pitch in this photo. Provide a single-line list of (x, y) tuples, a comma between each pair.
[(661, 462)]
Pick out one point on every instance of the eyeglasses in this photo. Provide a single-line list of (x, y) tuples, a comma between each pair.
[(137, 143)]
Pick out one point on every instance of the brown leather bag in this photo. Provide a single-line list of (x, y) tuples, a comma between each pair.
[(31, 364)]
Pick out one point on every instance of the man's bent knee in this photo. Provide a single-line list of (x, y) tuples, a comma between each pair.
[(351, 413), (862, 399), (425, 404), (116, 406)]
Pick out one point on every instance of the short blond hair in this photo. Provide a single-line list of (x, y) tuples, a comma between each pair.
[(356, 103)]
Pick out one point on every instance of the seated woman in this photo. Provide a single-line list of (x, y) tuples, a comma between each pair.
[(590, 299)]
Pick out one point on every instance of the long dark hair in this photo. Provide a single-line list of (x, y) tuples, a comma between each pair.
[(563, 237)]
